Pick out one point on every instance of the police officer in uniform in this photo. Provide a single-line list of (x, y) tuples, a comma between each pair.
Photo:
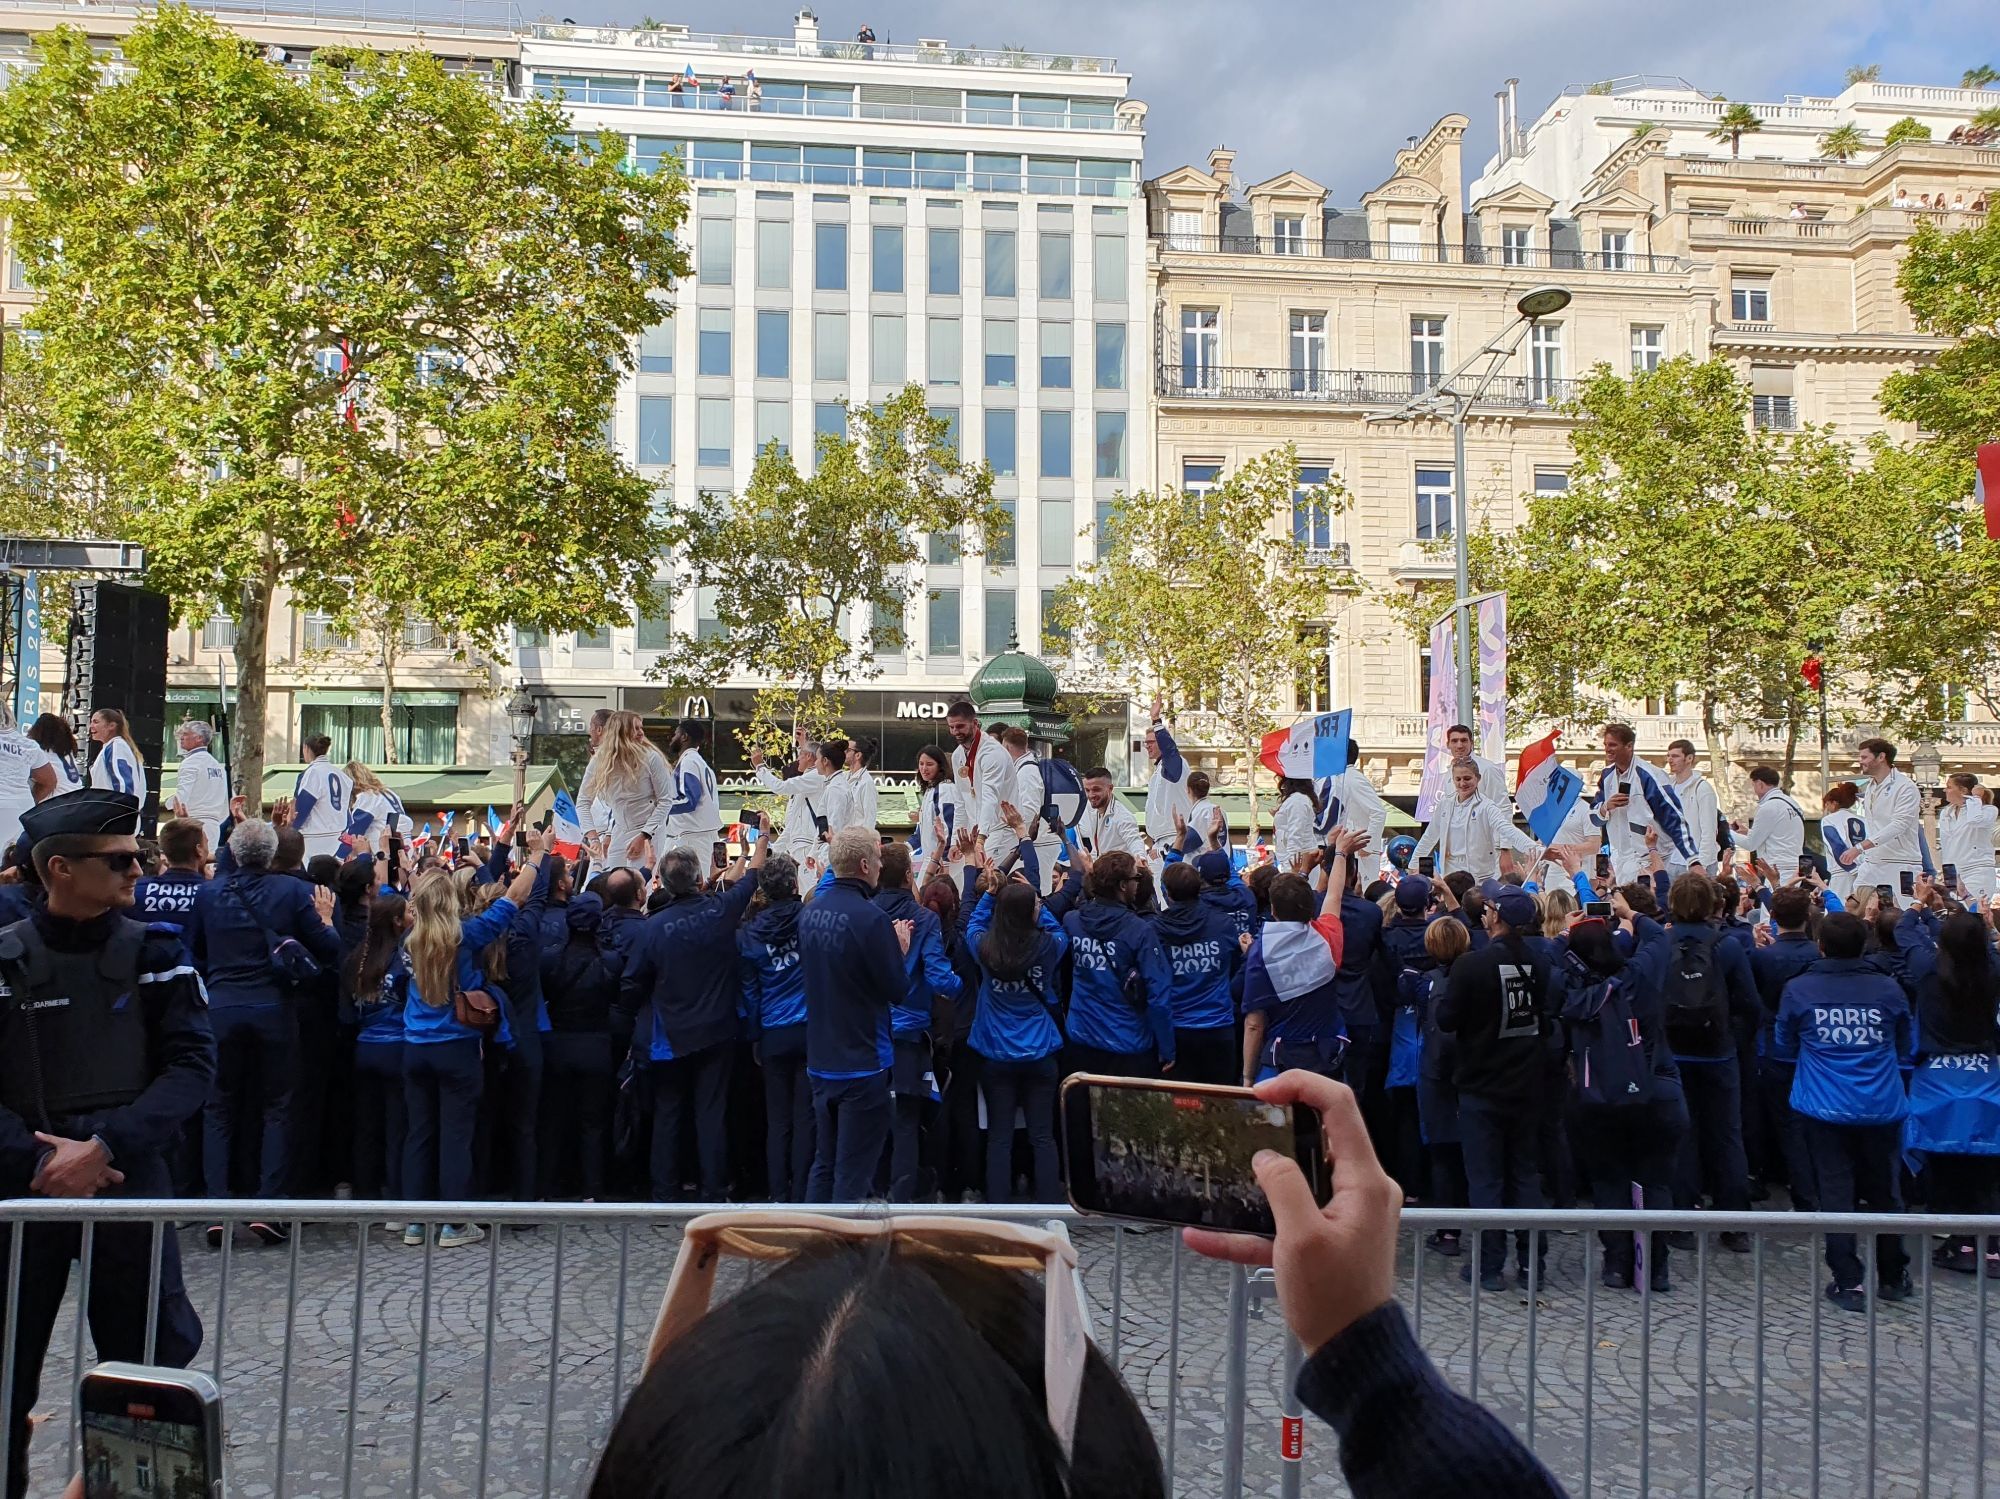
[(105, 1054)]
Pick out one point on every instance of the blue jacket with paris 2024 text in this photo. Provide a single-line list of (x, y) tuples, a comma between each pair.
[(1120, 985), (1204, 955), (1849, 1027), (1015, 1021), (853, 971), (926, 967)]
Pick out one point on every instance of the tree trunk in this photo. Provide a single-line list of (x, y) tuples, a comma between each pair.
[(1791, 742), (253, 633), (390, 639), (1720, 767)]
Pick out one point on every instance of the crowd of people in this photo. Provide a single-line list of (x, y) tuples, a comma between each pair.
[(843, 1015)]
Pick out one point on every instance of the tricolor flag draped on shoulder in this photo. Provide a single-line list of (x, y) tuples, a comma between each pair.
[(1545, 789)]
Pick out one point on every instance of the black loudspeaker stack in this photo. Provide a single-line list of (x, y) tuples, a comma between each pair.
[(118, 659)]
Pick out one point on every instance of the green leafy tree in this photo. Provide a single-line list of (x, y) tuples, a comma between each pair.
[(1864, 73), (1692, 557), (1909, 128), (1951, 282), (1979, 77), (349, 334), (1987, 119), (1843, 143), (1208, 599), (804, 566), (1735, 122), (1647, 129)]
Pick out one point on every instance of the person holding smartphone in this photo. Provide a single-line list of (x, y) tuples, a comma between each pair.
[(1019, 947), (1633, 796)]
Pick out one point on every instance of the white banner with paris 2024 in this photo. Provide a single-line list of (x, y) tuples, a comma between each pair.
[(1490, 623)]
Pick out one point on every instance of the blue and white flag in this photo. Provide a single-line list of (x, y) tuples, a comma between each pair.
[(1546, 790)]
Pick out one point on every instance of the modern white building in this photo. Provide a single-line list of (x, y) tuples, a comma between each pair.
[(861, 216)]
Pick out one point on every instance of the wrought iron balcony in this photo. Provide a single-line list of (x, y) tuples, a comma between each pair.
[(1503, 256), (1343, 387)]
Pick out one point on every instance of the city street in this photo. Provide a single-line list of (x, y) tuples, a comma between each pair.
[(609, 1280)]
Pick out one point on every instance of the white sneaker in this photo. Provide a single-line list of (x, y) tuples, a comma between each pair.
[(457, 1236), (413, 1235), (395, 1228)]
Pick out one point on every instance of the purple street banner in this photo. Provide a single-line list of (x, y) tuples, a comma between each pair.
[(1443, 713), (1492, 616)]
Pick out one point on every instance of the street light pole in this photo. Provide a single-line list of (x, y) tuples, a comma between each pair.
[(1461, 572), (521, 710)]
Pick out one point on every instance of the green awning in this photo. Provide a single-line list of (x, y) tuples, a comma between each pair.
[(444, 788)]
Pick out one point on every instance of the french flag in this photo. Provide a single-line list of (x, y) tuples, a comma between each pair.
[(1546, 790), (569, 827)]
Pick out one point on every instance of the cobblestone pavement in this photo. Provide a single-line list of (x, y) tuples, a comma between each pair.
[(1601, 1385)]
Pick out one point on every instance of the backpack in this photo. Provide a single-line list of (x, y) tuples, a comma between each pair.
[(1697, 1003), (1612, 1068), (1062, 793)]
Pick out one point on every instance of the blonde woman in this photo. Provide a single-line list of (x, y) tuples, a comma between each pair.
[(119, 766), (442, 1073), (1558, 905), (636, 785), (375, 807)]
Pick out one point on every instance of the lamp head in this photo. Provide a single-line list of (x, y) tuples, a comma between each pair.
[(1543, 301)]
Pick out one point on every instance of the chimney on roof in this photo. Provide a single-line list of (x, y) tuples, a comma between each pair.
[(1222, 167), (1500, 109), (1513, 117), (805, 28)]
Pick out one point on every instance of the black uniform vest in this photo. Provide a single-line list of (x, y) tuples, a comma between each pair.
[(72, 1030)]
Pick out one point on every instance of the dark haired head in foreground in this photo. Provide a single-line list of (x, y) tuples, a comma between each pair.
[(880, 1371)]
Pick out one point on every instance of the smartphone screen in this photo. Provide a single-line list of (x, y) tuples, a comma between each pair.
[(1909, 882), (1950, 877), (1886, 895), (750, 832), (1604, 866), (718, 853), (148, 1430), (1163, 1153), (1427, 865), (1624, 788), (1598, 908)]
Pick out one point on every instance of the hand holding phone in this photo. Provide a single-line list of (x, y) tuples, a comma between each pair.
[(166, 1421), (1335, 1260)]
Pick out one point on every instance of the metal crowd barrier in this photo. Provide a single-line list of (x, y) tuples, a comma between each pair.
[(352, 1362)]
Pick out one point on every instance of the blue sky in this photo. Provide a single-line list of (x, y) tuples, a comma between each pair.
[(1333, 89)]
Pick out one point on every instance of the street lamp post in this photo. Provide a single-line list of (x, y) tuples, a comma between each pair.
[(1448, 396), (521, 724)]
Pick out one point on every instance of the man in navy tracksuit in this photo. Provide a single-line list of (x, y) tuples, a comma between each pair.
[(1367, 990), (169, 895), (1848, 1026), (1790, 954), (1204, 955), (1221, 890), (851, 954), (929, 976), (682, 981)]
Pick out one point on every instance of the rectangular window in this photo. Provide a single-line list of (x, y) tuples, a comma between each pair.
[(1308, 351), (656, 431), (717, 160), (1002, 344), (881, 167), (218, 633), (1054, 252), (320, 635), (1043, 112), (1433, 504), (993, 173), (1197, 479), (1055, 433), (1406, 240), (1001, 543), (1056, 355), (949, 416), (1001, 442), (1648, 341), (1052, 174), (941, 171), (829, 420), (999, 248), (712, 441), (1183, 229), (830, 165), (829, 346), (1750, 299), (830, 100), (885, 349), (656, 348), (774, 254), (885, 630), (829, 257), (943, 549), (712, 353), (885, 255), (1312, 517), (774, 344), (1055, 639), (1313, 691), (1615, 245), (943, 634), (1288, 235), (1108, 266), (1551, 481), (527, 638), (1058, 548), (1103, 510), (944, 356), (942, 245), (989, 109), (1000, 621), (1517, 243), (1110, 444), (774, 425), (775, 163), (423, 736), (717, 241), (654, 630), (1545, 361), (1110, 356), (1201, 348), (707, 626), (1774, 412), (1426, 350)]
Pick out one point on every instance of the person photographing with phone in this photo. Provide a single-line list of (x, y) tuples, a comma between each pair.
[(1291, 977)]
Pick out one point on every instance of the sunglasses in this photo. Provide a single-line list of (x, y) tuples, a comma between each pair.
[(772, 1238), (118, 861)]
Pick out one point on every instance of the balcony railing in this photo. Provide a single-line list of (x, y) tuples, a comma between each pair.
[(1364, 249), (923, 53), (1345, 387)]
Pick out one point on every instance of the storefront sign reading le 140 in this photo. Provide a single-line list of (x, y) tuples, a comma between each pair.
[(922, 708)]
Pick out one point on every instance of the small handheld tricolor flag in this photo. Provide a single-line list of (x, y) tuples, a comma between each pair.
[(1986, 485), (493, 823), (1315, 746), (1546, 790), (569, 827)]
